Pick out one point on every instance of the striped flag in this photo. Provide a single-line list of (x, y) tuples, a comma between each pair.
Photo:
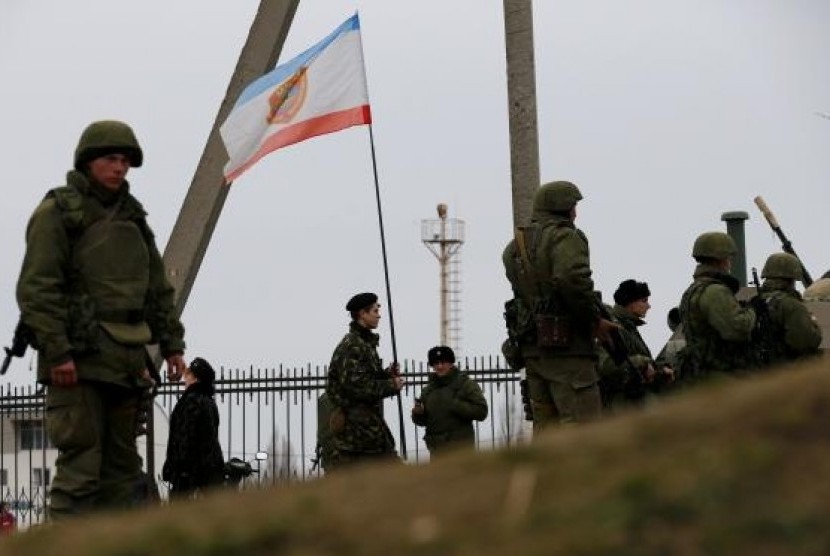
[(320, 91)]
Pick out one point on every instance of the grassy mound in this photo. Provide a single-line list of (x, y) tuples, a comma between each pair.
[(740, 467)]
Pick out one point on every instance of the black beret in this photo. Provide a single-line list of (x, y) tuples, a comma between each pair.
[(361, 301), (630, 290), (440, 354)]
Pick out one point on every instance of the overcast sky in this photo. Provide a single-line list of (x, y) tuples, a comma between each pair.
[(666, 113)]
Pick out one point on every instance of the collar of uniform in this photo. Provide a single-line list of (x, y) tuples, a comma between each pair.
[(778, 285), (624, 314), (545, 219), (364, 333), (443, 380), (713, 272), (82, 183)]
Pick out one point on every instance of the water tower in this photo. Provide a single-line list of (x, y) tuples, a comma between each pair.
[(444, 238)]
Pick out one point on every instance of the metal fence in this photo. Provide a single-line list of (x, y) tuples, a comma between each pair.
[(269, 411)]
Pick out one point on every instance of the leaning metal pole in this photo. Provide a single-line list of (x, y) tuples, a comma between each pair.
[(204, 201), (521, 98)]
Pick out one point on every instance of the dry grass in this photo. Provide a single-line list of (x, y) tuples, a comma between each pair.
[(736, 468)]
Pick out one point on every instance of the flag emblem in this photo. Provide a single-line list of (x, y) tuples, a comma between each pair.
[(288, 98)]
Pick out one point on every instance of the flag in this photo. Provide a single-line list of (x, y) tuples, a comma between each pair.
[(320, 91)]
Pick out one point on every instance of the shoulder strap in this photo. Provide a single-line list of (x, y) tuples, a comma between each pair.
[(71, 205)]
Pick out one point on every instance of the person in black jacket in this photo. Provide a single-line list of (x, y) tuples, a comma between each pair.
[(194, 456)]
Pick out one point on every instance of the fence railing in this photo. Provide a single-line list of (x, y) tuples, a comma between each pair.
[(270, 410)]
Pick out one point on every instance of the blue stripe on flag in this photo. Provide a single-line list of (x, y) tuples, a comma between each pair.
[(283, 72)]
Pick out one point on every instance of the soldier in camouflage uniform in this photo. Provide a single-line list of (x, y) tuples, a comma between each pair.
[(448, 404), (718, 329), (548, 266), (93, 291), (356, 386), (792, 330)]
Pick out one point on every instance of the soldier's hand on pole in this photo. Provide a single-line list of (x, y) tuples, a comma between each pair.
[(394, 369), (175, 367), (64, 374), (418, 408)]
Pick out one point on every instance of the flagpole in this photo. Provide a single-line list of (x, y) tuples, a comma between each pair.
[(388, 289)]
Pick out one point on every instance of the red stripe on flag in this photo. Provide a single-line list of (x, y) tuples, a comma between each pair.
[(329, 123)]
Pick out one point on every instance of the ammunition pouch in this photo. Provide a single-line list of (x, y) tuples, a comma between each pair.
[(519, 321), (337, 421), (553, 331), (82, 327), (512, 353)]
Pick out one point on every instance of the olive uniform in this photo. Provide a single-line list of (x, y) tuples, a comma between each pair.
[(450, 405), (793, 330), (718, 330), (548, 265), (93, 290)]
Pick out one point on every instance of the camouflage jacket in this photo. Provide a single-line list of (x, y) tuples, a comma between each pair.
[(357, 384), (794, 331), (101, 303), (717, 328), (451, 404)]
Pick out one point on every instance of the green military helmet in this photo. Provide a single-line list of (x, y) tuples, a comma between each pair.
[(106, 137), (782, 265), (714, 245), (556, 196)]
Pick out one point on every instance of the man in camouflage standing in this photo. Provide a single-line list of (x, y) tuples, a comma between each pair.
[(717, 328), (356, 386), (548, 266), (93, 292), (791, 330)]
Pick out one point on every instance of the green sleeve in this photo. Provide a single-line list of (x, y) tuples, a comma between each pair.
[(572, 272), (733, 322), (41, 287), (802, 332), (470, 402)]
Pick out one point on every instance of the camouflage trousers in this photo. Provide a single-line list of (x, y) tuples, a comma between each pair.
[(562, 390), (335, 460), (93, 425)]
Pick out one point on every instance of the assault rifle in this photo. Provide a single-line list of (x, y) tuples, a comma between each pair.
[(786, 244), (761, 333), (20, 341)]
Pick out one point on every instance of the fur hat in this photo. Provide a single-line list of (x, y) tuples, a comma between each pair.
[(440, 354), (630, 290)]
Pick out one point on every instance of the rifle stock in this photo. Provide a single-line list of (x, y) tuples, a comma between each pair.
[(786, 244)]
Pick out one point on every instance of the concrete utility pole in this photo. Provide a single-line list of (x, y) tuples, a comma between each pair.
[(204, 201), (206, 197), (521, 98)]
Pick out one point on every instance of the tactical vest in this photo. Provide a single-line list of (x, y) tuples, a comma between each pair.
[(705, 350), (109, 275)]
